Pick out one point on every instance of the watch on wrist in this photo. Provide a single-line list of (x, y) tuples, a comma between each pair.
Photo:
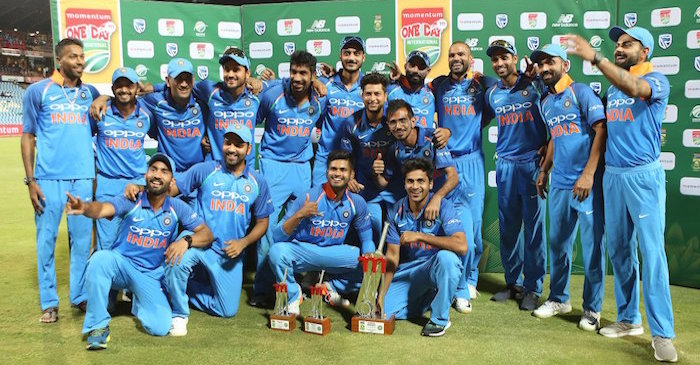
[(598, 58), (188, 239), (28, 179)]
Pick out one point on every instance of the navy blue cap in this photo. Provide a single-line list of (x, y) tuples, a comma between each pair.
[(501, 44), (352, 40), (164, 159), (420, 55)]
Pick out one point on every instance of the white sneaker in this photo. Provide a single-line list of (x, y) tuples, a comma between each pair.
[(590, 321), (473, 293), (621, 329), (462, 305), (334, 298), (179, 327), (293, 307), (551, 308)]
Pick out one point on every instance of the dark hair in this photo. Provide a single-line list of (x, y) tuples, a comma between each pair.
[(396, 104), (234, 51), (303, 58), (418, 164), (340, 155), (67, 42), (374, 78)]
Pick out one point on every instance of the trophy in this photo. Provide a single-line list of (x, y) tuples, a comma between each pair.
[(369, 318), (281, 319), (317, 323)]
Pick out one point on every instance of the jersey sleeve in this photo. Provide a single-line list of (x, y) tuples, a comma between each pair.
[(264, 107), (262, 206), (346, 140), (363, 226), (202, 89), (159, 87), (189, 219), (191, 179), (267, 85), (393, 237), (146, 111), (122, 205), (443, 158), (660, 88), (31, 104), (590, 104), (451, 222), (93, 91), (278, 233)]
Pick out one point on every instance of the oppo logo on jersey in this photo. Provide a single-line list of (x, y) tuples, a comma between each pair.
[(462, 99), (295, 121), (327, 228), (346, 102), (149, 232), (509, 108), (181, 124), (561, 118), (374, 144), (123, 133), (619, 110), (421, 246), (67, 107), (328, 223), (229, 195), (230, 114)]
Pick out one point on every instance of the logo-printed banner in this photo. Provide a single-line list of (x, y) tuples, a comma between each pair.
[(147, 35), (424, 26)]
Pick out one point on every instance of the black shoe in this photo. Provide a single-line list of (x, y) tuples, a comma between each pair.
[(82, 306), (530, 302), (511, 292), (432, 329), (259, 301)]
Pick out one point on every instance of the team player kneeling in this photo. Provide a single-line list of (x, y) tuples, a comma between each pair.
[(426, 183)]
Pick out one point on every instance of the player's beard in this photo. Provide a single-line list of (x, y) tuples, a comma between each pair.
[(157, 191), (555, 77), (628, 61), (414, 79)]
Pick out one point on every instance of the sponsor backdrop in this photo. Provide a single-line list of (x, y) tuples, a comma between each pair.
[(145, 35)]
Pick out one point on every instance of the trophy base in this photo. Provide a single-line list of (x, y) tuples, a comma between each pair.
[(317, 326), (283, 323), (373, 325)]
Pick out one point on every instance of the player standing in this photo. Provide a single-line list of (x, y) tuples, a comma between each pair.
[(56, 125), (576, 121), (635, 184), (121, 158), (521, 134)]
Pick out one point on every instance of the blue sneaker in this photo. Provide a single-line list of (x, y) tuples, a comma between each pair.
[(97, 339)]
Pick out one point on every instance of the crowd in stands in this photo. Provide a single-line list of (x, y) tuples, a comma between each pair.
[(11, 102)]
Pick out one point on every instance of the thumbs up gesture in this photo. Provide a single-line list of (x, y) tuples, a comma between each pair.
[(378, 165), (309, 208)]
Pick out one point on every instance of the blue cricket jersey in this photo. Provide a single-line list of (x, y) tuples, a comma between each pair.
[(570, 115), (364, 142), (341, 103), (288, 127), (144, 234), (401, 219), (332, 226), (120, 152), (461, 108), (179, 130), (228, 203), (441, 158), (634, 124), (422, 101), (58, 117), (521, 131)]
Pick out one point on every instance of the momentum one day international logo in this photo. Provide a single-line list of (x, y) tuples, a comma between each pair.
[(421, 29), (95, 28)]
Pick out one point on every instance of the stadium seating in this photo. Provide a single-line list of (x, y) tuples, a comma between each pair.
[(10, 103)]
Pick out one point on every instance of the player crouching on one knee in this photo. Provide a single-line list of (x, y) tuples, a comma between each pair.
[(424, 257)]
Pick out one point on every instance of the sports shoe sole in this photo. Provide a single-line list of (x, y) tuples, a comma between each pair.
[(438, 334), (548, 315), (630, 332), (675, 359), (98, 346), (588, 327)]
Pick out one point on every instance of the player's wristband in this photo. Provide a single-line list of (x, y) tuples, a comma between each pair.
[(188, 238)]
